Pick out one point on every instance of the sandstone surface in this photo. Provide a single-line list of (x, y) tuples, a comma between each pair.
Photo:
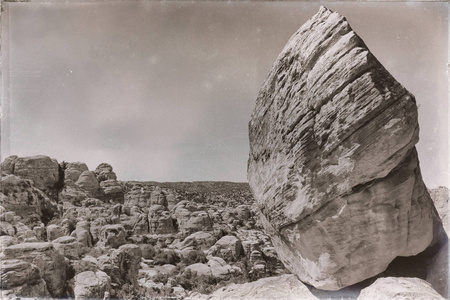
[(332, 164), (283, 287), (399, 288)]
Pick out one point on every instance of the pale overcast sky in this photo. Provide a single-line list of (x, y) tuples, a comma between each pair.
[(164, 90)]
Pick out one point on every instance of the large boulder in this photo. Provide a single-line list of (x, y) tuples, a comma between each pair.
[(46, 258), (332, 164), (399, 288), (41, 169)]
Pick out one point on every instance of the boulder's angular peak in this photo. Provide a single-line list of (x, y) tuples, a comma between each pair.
[(332, 162)]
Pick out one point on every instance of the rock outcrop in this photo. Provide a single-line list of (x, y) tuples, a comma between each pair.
[(332, 165)]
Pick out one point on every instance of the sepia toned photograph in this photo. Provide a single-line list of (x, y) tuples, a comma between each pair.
[(224, 150)]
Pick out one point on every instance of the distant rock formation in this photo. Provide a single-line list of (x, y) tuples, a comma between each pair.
[(332, 165), (84, 234)]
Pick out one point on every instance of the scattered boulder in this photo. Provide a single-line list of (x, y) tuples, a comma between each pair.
[(22, 279), (82, 234), (219, 268), (91, 285), (69, 247), (198, 220), (104, 172), (16, 273), (113, 191), (160, 222), (399, 288), (141, 225), (123, 265), (73, 171), (199, 269), (72, 193), (7, 240), (199, 240), (332, 163), (227, 247), (89, 184), (54, 231), (46, 258), (112, 235), (138, 196)]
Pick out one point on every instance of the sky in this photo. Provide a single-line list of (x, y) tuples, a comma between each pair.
[(164, 90)]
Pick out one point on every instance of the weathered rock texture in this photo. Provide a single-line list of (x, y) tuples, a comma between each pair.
[(399, 289), (282, 287), (332, 162)]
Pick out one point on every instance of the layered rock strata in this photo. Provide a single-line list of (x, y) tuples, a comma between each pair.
[(332, 165)]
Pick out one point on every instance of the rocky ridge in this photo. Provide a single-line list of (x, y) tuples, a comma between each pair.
[(332, 164)]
